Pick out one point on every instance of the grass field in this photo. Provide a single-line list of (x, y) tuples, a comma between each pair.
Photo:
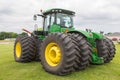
[(11, 70)]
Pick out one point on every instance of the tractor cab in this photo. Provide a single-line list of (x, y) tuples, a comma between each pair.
[(55, 20)]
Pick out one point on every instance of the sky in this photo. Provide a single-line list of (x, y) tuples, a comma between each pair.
[(98, 15)]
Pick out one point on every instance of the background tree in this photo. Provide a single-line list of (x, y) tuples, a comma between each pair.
[(4, 35)]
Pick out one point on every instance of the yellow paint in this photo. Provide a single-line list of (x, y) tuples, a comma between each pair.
[(53, 54), (18, 49)]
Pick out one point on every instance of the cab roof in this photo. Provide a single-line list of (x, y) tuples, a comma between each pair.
[(58, 10)]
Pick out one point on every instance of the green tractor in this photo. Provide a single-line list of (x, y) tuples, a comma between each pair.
[(60, 48)]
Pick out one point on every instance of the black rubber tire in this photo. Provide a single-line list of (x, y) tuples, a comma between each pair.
[(68, 52), (27, 49), (84, 51), (38, 46), (101, 49), (111, 48)]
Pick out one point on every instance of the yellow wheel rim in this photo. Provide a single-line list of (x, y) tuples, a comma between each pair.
[(53, 54), (18, 49)]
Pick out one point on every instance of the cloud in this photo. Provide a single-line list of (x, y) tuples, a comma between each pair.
[(95, 14)]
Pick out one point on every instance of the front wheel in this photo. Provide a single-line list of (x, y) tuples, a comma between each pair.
[(24, 49)]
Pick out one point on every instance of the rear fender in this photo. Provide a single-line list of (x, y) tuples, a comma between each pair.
[(97, 35)]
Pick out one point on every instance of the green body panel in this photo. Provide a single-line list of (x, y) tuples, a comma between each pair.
[(41, 37), (96, 59), (54, 28), (97, 35), (57, 28), (66, 29)]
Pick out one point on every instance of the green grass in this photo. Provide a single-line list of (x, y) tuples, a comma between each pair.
[(11, 70)]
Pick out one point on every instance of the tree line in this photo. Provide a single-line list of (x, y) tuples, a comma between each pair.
[(4, 35)]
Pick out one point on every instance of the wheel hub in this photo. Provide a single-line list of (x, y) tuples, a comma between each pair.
[(18, 49), (53, 54)]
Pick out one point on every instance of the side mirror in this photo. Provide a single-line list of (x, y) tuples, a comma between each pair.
[(35, 17)]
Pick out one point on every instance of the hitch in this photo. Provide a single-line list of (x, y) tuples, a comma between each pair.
[(27, 31), (32, 34)]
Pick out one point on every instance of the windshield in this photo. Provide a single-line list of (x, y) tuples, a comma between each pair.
[(64, 20)]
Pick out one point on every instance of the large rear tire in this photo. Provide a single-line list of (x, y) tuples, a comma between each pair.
[(58, 54), (24, 49), (84, 51), (111, 50)]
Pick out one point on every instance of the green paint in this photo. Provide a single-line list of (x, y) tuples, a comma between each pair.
[(57, 28), (41, 37), (96, 59), (54, 28), (97, 35)]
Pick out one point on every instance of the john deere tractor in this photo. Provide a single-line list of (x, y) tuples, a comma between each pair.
[(60, 48)]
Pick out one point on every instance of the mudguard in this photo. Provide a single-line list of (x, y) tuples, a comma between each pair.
[(97, 35)]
